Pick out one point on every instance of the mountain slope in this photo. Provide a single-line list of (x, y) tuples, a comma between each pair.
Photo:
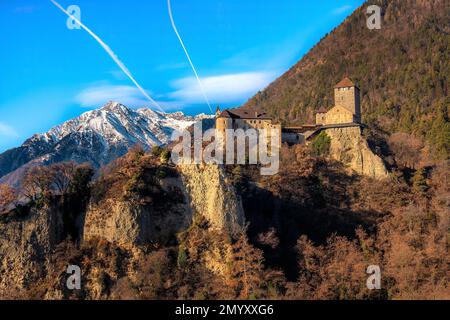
[(403, 71), (97, 136)]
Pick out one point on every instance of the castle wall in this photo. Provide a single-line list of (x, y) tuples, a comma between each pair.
[(252, 123), (227, 123), (221, 125), (320, 118), (337, 115)]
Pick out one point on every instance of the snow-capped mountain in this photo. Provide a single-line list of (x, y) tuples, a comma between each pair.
[(117, 124), (96, 136)]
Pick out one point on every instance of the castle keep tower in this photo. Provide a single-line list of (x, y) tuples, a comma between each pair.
[(347, 108), (346, 94)]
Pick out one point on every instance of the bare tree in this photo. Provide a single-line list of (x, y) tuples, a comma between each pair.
[(8, 197), (247, 271), (407, 149), (62, 176), (36, 182)]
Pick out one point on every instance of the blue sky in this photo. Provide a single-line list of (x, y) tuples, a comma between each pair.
[(50, 73)]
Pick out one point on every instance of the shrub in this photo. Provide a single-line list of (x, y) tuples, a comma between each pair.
[(157, 151), (320, 146), (182, 257), (419, 180), (81, 179), (165, 156), (161, 173)]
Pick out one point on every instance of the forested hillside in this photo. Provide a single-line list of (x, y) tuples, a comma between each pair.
[(402, 69)]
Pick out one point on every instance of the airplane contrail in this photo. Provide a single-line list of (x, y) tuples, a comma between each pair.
[(111, 54), (187, 55)]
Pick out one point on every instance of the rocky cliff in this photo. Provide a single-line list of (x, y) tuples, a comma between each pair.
[(204, 191), (25, 245), (348, 146), (213, 196), (127, 223), (30, 237)]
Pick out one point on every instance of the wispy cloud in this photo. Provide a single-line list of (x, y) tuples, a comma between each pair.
[(99, 94), (342, 9), (225, 88), (7, 131)]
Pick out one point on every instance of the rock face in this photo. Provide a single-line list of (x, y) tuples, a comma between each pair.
[(127, 224), (205, 192), (25, 244), (211, 195), (349, 147)]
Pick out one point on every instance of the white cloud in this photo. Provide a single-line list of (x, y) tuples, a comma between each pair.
[(8, 131), (226, 88), (98, 95), (342, 9)]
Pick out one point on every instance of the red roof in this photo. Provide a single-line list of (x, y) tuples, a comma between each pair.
[(344, 83), (226, 114), (322, 110), (244, 113)]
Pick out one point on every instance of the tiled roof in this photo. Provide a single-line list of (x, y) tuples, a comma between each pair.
[(244, 113), (226, 114), (346, 82)]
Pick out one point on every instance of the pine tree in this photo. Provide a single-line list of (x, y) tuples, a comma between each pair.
[(420, 181)]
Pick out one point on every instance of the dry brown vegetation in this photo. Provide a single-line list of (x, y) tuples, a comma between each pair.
[(337, 225), (8, 197), (44, 182), (313, 231)]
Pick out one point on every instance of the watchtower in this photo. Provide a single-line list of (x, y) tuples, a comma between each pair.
[(347, 95)]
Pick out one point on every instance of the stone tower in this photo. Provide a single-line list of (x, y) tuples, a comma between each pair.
[(346, 94), (223, 122)]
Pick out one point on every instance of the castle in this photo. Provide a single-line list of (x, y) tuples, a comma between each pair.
[(347, 107), (245, 118), (345, 113)]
